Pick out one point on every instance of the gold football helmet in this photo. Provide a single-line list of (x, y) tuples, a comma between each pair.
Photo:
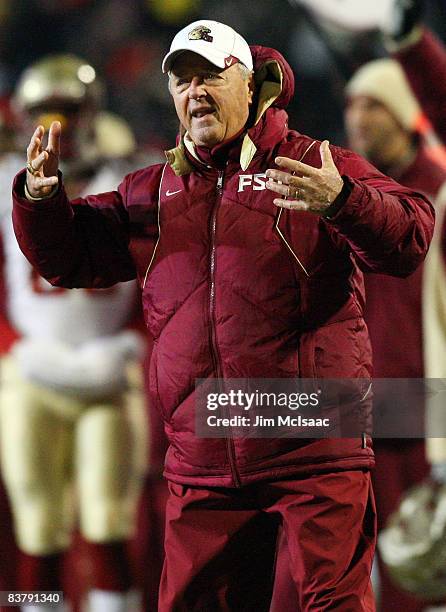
[(61, 78), (65, 88)]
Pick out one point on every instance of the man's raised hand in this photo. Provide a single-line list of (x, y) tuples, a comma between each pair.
[(304, 187), (42, 164)]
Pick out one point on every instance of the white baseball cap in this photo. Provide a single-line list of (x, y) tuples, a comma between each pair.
[(216, 42)]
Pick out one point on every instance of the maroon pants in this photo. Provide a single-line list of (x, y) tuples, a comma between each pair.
[(221, 544)]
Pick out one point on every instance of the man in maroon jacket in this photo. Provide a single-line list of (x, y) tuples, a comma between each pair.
[(237, 283), (423, 58)]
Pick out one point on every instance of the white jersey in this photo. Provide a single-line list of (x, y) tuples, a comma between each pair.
[(35, 308)]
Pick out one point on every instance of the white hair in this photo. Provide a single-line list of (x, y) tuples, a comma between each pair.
[(245, 71)]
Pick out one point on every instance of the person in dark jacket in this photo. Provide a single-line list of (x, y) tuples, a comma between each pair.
[(249, 246), (381, 118), (422, 56)]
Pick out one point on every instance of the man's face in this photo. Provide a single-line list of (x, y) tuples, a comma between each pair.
[(211, 103), (371, 129)]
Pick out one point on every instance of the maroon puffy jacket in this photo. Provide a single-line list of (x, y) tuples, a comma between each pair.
[(232, 286)]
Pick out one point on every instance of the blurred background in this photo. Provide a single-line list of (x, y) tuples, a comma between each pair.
[(126, 39)]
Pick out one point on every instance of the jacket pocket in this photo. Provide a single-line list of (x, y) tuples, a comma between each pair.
[(306, 356), (340, 350), (153, 384)]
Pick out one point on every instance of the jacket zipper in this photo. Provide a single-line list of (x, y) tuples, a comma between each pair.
[(213, 336)]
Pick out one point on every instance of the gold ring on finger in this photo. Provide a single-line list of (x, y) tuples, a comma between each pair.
[(31, 168)]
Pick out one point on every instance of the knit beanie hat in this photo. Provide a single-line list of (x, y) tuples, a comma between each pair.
[(384, 81)]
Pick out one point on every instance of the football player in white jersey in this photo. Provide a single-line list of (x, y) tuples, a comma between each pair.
[(71, 410)]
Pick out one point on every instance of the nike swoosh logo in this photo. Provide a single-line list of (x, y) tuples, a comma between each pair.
[(228, 61), (169, 193)]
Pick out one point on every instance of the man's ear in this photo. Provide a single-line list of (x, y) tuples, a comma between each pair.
[(169, 82), (251, 89)]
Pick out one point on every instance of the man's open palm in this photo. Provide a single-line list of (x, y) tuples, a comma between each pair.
[(42, 164)]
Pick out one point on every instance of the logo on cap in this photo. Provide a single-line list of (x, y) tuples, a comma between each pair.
[(230, 60), (200, 33)]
